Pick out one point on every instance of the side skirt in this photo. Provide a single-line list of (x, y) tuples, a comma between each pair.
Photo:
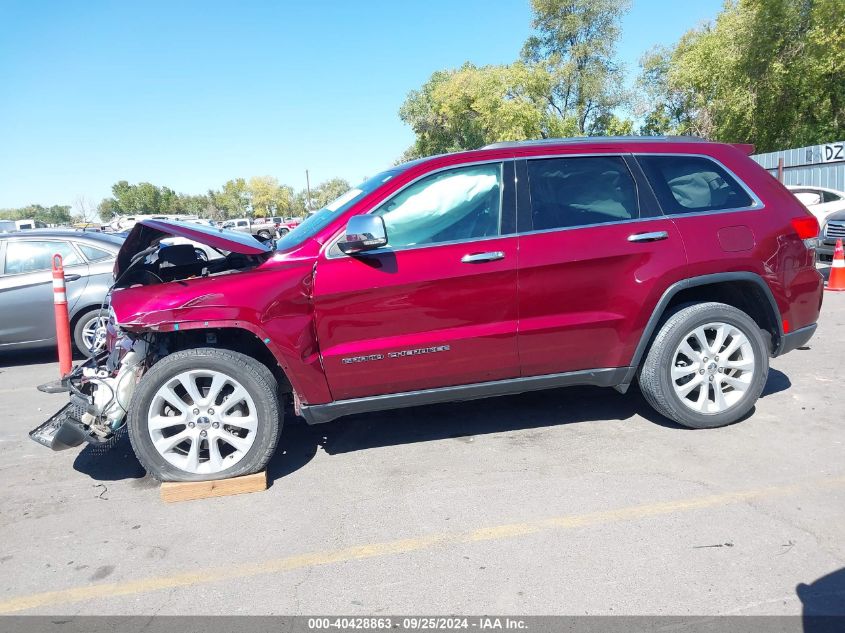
[(320, 413)]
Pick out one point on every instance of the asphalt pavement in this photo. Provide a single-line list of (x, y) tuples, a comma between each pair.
[(573, 501)]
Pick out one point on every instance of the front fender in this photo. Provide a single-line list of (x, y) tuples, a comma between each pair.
[(274, 304)]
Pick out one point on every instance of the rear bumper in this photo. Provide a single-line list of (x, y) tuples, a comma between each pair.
[(796, 339)]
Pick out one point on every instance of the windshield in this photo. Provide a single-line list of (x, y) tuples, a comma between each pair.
[(317, 221)]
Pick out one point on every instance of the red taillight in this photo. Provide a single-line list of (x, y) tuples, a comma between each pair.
[(807, 227)]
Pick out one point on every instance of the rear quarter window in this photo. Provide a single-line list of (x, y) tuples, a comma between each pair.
[(92, 253), (693, 184)]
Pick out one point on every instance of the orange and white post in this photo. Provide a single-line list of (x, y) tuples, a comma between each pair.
[(62, 320), (836, 281)]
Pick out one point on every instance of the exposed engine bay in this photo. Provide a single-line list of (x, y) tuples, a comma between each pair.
[(161, 264), (100, 392)]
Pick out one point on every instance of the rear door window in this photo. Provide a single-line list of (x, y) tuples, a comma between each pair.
[(580, 191), (692, 184), (28, 256)]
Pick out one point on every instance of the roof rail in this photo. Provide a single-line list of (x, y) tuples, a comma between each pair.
[(574, 140)]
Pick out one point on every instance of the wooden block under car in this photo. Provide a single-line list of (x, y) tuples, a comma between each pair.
[(172, 491)]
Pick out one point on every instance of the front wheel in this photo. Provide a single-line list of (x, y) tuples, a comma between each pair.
[(89, 333), (203, 414), (706, 367)]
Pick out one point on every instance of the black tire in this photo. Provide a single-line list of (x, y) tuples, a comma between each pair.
[(82, 322), (264, 234), (283, 232), (655, 373), (255, 377)]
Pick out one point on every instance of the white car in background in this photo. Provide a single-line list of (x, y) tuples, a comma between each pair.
[(820, 201), (126, 222)]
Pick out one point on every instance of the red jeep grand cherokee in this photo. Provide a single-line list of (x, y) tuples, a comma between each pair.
[(673, 262)]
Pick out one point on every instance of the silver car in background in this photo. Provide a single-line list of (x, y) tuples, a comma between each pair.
[(26, 293)]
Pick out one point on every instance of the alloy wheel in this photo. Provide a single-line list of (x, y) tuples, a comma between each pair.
[(94, 334), (713, 368), (202, 421)]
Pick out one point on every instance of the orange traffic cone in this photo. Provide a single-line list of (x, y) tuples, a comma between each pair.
[(836, 281)]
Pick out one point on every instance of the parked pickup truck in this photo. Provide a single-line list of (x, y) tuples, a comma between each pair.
[(263, 230), (675, 263), (287, 225)]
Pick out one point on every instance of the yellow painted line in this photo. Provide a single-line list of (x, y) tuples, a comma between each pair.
[(403, 546)]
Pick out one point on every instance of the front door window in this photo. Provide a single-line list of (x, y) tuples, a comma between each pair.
[(452, 205)]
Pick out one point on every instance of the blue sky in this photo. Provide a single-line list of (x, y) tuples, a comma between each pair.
[(189, 94)]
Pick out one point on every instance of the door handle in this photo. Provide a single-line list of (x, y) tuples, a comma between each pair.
[(653, 236), (72, 277), (476, 258)]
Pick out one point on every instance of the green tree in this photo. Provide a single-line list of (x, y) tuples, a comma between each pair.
[(268, 198), (328, 191), (665, 105), (575, 42), (565, 84), (232, 199), (56, 214), (143, 198), (108, 209), (767, 72)]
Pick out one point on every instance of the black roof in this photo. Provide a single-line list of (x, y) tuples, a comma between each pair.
[(574, 140)]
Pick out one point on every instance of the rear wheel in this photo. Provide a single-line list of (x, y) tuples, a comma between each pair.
[(264, 234), (706, 367), (204, 414)]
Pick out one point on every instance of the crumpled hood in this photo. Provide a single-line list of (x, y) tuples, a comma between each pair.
[(146, 232)]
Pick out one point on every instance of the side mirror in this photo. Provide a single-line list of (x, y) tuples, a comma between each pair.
[(363, 233)]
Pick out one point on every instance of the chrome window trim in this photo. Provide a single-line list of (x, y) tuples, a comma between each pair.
[(332, 251), (633, 221), (757, 206), (591, 226), (386, 250)]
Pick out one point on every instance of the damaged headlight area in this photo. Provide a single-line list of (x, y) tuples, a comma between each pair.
[(100, 392)]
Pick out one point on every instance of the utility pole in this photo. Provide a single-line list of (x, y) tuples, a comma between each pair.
[(308, 190)]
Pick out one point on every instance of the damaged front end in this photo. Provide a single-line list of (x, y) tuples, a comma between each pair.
[(150, 272), (100, 392)]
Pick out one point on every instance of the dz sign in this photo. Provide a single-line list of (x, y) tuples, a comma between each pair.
[(833, 152)]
